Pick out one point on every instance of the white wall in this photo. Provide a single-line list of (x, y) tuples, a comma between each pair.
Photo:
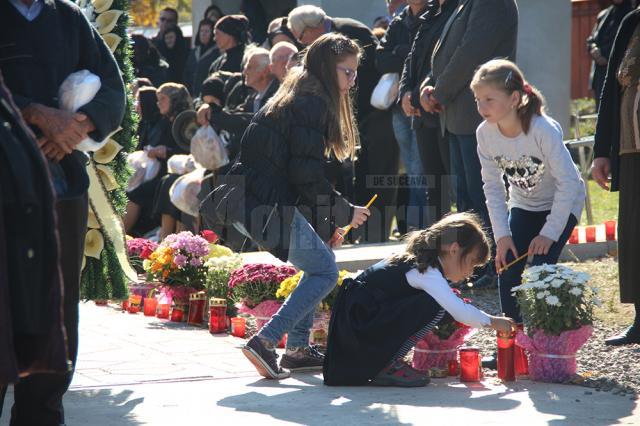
[(544, 52)]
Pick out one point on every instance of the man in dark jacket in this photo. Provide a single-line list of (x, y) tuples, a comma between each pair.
[(31, 330), (41, 43), (476, 32), (390, 55), (432, 147)]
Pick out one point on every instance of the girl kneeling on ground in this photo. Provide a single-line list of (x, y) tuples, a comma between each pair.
[(380, 315)]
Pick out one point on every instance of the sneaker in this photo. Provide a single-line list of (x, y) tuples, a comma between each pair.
[(264, 358), (402, 375), (301, 359)]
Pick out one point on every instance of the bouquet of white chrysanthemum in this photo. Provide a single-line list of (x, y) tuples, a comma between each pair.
[(557, 307), (219, 270), (554, 298)]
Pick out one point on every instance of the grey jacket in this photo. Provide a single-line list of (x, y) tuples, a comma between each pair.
[(478, 31)]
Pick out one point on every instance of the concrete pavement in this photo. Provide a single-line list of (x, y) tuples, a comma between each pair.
[(137, 370)]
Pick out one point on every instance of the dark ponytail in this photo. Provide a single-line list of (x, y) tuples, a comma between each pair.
[(424, 247)]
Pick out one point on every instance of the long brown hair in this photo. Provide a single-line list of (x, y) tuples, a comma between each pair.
[(424, 247), (505, 75), (318, 76)]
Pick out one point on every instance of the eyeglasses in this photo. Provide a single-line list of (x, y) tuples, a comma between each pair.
[(351, 74)]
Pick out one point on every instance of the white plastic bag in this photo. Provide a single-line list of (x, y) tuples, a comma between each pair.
[(181, 164), (78, 89), (144, 169), (386, 91), (208, 148), (184, 191)]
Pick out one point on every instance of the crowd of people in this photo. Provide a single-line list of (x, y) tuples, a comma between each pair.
[(290, 96)]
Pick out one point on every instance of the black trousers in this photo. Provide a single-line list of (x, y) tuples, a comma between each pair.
[(38, 398), (434, 153)]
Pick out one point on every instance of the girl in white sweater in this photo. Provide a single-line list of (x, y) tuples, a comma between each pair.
[(546, 193)]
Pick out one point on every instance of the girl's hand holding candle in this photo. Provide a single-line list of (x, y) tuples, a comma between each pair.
[(503, 324)]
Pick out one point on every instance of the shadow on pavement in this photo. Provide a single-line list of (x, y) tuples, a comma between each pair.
[(101, 403), (314, 403)]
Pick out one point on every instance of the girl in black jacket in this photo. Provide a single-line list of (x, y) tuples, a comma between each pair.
[(278, 196)]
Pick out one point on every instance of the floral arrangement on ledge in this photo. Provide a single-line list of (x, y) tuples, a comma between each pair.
[(179, 260), (139, 249), (557, 307), (256, 282), (220, 263)]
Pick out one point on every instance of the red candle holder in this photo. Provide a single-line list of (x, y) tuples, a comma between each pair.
[(177, 313), (101, 302), (163, 311), (217, 315), (470, 367), (506, 365), (125, 305), (610, 230), (452, 367), (135, 300), (283, 342), (521, 363), (196, 308), (238, 326), (590, 232), (574, 238), (149, 307)]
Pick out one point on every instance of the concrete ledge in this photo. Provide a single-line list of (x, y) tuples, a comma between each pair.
[(356, 257)]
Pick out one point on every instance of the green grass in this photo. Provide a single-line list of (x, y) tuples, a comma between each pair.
[(604, 205)]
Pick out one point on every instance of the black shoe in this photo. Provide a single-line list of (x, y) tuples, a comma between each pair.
[(301, 359), (490, 362), (264, 359), (627, 337), (401, 374)]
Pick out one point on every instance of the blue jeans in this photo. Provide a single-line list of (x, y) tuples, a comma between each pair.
[(525, 226), (410, 155), (465, 167), (308, 253)]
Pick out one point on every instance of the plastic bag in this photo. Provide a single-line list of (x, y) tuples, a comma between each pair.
[(181, 164), (208, 148), (144, 169), (184, 191), (77, 90), (386, 91)]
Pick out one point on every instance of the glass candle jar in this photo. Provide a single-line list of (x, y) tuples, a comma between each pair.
[(177, 313), (574, 238), (217, 315), (610, 230), (238, 326), (150, 306), (452, 367), (196, 308), (163, 311), (135, 300), (521, 363), (506, 366), (470, 364), (590, 234)]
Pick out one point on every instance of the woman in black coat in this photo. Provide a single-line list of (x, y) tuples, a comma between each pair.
[(617, 152), (147, 61), (174, 50), (200, 58), (278, 196)]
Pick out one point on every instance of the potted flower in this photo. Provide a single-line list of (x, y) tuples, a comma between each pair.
[(178, 262), (220, 263), (254, 287), (557, 308), (138, 250), (441, 344)]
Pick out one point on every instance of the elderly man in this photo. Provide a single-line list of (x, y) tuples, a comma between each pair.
[(56, 33), (257, 76), (279, 57)]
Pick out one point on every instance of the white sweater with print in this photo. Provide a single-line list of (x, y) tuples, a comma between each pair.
[(540, 172)]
